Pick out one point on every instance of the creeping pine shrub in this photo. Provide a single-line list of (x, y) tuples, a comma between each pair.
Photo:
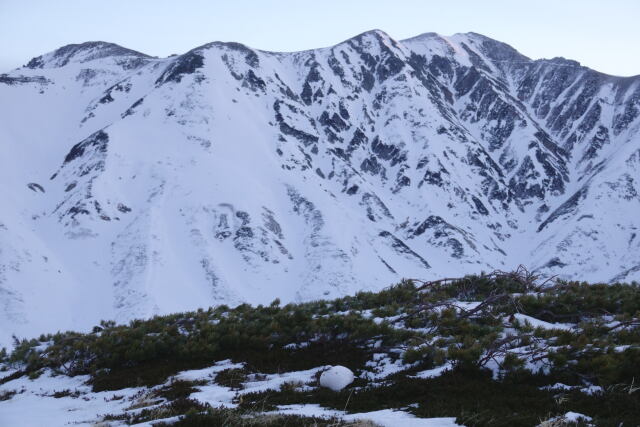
[(233, 378), (233, 417), (428, 356), (426, 325), (7, 394)]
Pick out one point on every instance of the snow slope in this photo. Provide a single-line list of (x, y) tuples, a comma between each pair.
[(58, 400), (135, 186)]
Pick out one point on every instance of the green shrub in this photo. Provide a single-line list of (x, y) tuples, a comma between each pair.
[(424, 326)]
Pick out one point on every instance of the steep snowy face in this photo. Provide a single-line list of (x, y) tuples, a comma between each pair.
[(566, 138), (136, 186)]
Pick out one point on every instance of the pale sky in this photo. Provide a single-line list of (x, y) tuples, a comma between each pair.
[(601, 34)]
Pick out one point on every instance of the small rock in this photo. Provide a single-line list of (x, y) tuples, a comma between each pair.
[(336, 378)]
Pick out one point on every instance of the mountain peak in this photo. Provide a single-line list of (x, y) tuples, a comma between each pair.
[(559, 60), (374, 34), (82, 52), (493, 49)]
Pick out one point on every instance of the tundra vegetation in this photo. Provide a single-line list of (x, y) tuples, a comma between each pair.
[(499, 349)]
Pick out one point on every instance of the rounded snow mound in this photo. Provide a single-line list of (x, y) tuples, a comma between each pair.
[(336, 378)]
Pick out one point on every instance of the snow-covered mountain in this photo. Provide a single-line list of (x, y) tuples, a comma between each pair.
[(134, 186)]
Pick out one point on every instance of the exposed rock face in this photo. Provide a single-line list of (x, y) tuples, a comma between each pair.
[(229, 174)]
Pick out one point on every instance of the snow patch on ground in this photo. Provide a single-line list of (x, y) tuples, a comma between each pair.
[(537, 323), (435, 372), (385, 417), (34, 404)]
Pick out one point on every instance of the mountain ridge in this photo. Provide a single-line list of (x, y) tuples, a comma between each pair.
[(229, 174), (558, 60)]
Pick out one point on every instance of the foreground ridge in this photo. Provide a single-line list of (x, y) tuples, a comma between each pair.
[(499, 349)]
